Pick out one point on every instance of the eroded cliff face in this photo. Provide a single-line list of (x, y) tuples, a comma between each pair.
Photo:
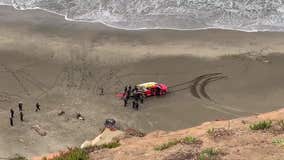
[(224, 139)]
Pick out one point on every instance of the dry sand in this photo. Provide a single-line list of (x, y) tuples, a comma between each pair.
[(63, 64)]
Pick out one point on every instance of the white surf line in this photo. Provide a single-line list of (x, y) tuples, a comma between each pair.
[(248, 30)]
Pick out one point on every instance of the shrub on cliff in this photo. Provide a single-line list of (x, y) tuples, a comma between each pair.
[(109, 145), (73, 154), (280, 123), (185, 140), (261, 125), (278, 141), (189, 140), (219, 132), (209, 154), (18, 157), (166, 145)]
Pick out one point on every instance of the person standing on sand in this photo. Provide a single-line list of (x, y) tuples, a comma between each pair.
[(11, 120), (141, 97), (20, 106), (125, 89), (133, 104), (137, 105), (136, 89), (12, 113), (37, 107), (125, 101), (127, 94), (22, 116), (129, 91)]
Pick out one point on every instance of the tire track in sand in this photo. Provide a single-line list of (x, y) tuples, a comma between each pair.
[(204, 84), (196, 81), (200, 89)]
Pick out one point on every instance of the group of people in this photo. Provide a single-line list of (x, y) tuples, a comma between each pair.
[(20, 106), (135, 94)]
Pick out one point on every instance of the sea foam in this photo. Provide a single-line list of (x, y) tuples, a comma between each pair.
[(251, 16)]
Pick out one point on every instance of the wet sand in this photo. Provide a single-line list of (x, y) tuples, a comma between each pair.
[(63, 64)]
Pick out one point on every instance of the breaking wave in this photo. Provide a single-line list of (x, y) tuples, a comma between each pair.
[(245, 15)]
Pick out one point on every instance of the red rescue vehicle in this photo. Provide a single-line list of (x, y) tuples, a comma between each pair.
[(152, 89), (149, 89)]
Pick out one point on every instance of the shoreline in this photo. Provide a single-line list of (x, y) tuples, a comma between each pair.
[(138, 29), (170, 41)]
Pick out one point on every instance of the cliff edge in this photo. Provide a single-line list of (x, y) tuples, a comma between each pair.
[(258, 137)]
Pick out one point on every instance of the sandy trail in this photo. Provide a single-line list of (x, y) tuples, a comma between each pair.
[(63, 64)]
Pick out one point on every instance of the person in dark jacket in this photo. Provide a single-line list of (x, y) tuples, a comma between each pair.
[(12, 113), (11, 120), (21, 116), (141, 97), (125, 101), (125, 89), (129, 92), (20, 106), (137, 105), (136, 89), (133, 104), (37, 107), (136, 96)]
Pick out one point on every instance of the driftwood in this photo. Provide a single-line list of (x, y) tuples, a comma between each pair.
[(39, 130)]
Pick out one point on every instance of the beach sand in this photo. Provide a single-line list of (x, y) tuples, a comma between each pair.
[(63, 64)]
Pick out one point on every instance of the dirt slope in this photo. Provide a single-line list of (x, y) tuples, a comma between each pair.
[(241, 143)]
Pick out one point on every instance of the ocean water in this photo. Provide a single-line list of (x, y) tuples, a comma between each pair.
[(245, 15)]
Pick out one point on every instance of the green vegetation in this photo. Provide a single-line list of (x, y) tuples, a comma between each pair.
[(18, 157), (280, 123), (103, 146), (211, 131), (166, 145), (208, 154), (73, 154), (219, 132), (185, 140), (279, 141), (109, 145), (261, 125), (189, 140)]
